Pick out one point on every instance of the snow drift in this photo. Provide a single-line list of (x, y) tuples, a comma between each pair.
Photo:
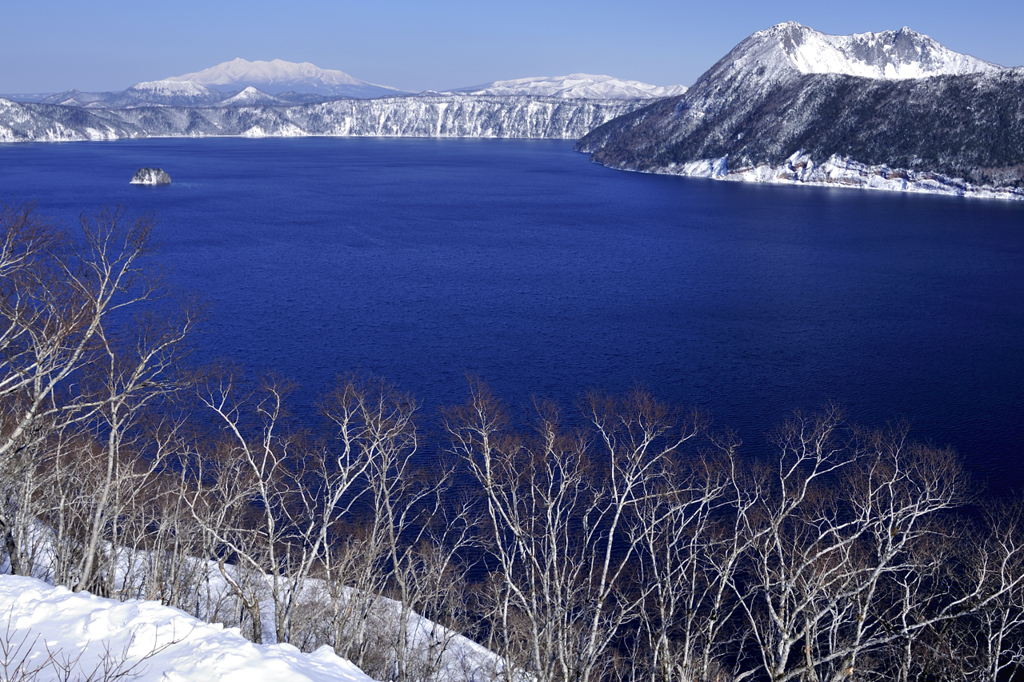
[(64, 635)]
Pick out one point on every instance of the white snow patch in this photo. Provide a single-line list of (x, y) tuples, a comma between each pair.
[(163, 643), (284, 130)]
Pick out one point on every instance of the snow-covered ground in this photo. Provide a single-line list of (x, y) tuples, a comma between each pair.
[(54, 634), (50, 629)]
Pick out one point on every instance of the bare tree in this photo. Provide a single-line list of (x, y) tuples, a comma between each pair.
[(854, 561), (129, 385), (58, 297), (686, 528), (407, 549), (63, 361), (268, 498), (558, 504)]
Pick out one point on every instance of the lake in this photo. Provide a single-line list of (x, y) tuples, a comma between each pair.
[(546, 275)]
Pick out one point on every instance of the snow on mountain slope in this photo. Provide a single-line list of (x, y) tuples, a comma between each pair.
[(164, 93), (77, 98), (889, 55), (252, 97), (575, 86), (281, 76), (56, 629), (168, 88)]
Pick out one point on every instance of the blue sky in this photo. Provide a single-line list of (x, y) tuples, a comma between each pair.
[(50, 45)]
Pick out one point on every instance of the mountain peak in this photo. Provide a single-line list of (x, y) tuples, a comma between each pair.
[(252, 96), (278, 75), (888, 55)]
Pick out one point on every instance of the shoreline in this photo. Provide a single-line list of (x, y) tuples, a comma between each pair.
[(836, 172)]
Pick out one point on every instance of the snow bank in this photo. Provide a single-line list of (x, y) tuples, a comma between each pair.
[(54, 629)]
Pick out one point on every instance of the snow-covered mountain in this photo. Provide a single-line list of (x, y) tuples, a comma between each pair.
[(148, 93), (279, 76), (892, 110), (171, 93), (252, 97), (889, 55), (575, 86), (75, 98)]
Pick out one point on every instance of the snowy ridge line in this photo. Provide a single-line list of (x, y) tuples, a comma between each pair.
[(888, 55), (576, 85), (837, 171)]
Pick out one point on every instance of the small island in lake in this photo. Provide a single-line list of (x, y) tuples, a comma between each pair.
[(151, 176)]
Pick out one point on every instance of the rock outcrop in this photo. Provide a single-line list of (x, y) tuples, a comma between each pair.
[(151, 176)]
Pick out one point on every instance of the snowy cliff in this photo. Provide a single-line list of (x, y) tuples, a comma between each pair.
[(422, 116)]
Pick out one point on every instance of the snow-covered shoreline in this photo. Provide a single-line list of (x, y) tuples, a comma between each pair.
[(800, 169)]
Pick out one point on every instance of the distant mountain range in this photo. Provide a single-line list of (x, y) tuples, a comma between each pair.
[(278, 76), (280, 83), (577, 85), (890, 110)]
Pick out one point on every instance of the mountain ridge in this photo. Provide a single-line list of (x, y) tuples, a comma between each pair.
[(888, 55), (575, 85)]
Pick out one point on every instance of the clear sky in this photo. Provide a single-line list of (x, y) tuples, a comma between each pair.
[(55, 45)]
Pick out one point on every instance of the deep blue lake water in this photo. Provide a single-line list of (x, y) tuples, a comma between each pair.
[(523, 263)]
